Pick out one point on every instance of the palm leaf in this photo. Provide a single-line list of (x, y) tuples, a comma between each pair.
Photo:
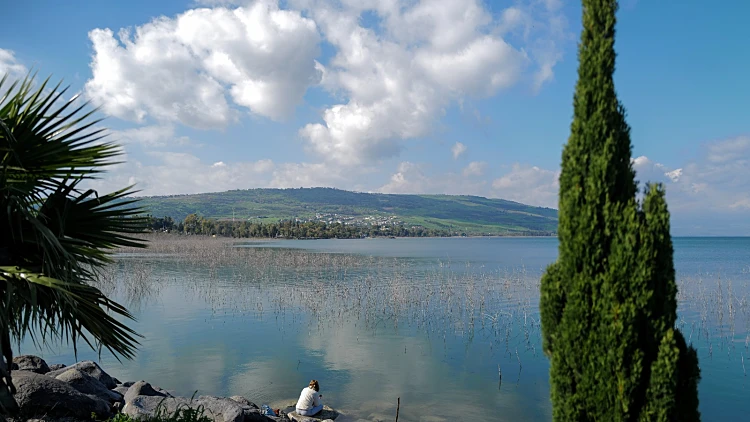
[(57, 236)]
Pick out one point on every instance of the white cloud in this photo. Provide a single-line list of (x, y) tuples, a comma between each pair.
[(397, 80), (182, 69), (458, 149), (10, 65), (149, 136), (409, 178), (529, 185), (183, 173), (475, 168), (298, 175), (415, 178)]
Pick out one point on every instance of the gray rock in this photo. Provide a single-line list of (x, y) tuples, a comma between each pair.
[(243, 401), (141, 388), (217, 408), (91, 368), (326, 413), (86, 384), (254, 415), (56, 366), (143, 407), (40, 396), (121, 389), (30, 363), (163, 391), (128, 383), (221, 409)]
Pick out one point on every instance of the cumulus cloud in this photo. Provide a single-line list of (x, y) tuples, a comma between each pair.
[(173, 173), (184, 173), (148, 136), (399, 78), (409, 178), (415, 178), (475, 168), (298, 175), (458, 149), (182, 69), (529, 185), (10, 65)]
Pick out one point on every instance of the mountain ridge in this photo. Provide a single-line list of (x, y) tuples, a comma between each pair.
[(466, 213)]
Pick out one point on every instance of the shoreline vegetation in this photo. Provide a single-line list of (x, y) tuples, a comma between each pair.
[(308, 230)]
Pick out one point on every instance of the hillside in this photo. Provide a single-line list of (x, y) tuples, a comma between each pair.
[(470, 214)]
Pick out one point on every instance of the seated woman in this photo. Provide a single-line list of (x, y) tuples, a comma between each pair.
[(310, 402)]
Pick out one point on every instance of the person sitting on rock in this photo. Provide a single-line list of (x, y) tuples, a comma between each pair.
[(310, 402)]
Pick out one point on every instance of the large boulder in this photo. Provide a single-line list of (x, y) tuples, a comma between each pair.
[(325, 414), (218, 409), (87, 384), (244, 402), (56, 366), (91, 368), (30, 363), (144, 407), (142, 388), (42, 396), (221, 409), (122, 389)]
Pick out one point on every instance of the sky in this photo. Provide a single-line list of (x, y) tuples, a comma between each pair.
[(470, 97)]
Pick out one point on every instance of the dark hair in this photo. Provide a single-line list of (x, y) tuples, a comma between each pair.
[(314, 385)]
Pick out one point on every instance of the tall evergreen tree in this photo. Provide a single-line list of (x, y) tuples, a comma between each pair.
[(608, 304)]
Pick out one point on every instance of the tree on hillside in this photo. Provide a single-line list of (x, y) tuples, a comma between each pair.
[(608, 304), (54, 235)]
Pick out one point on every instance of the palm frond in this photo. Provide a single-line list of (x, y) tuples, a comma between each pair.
[(57, 235)]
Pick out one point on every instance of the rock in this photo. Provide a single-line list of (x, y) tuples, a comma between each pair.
[(56, 367), (163, 391), (217, 408), (122, 389), (221, 409), (144, 407), (40, 396), (116, 380), (141, 388), (30, 363), (326, 413), (128, 383), (243, 401), (91, 368), (87, 384)]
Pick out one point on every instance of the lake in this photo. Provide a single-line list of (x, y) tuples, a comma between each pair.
[(448, 325)]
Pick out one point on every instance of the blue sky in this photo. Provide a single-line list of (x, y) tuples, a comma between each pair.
[(441, 96)]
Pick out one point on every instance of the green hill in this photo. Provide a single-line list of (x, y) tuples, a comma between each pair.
[(470, 214)]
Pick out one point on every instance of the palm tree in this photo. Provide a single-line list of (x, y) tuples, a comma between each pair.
[(56, 236)]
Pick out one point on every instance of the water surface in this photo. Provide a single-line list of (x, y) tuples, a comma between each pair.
[(449, 325)]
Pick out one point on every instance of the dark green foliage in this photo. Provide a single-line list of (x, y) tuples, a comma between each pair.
[(608, 304), (470, 214), (286, 229)]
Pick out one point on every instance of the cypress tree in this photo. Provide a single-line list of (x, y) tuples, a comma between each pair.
[(608, 304)]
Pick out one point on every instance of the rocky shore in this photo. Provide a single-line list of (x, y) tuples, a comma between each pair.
[(84, 391)]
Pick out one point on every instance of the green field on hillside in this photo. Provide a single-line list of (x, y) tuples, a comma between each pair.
[(470, 214)]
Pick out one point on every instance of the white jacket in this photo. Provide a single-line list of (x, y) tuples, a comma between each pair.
[(308, 399)]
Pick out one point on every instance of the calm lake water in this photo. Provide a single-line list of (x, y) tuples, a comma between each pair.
[(432, 321)]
